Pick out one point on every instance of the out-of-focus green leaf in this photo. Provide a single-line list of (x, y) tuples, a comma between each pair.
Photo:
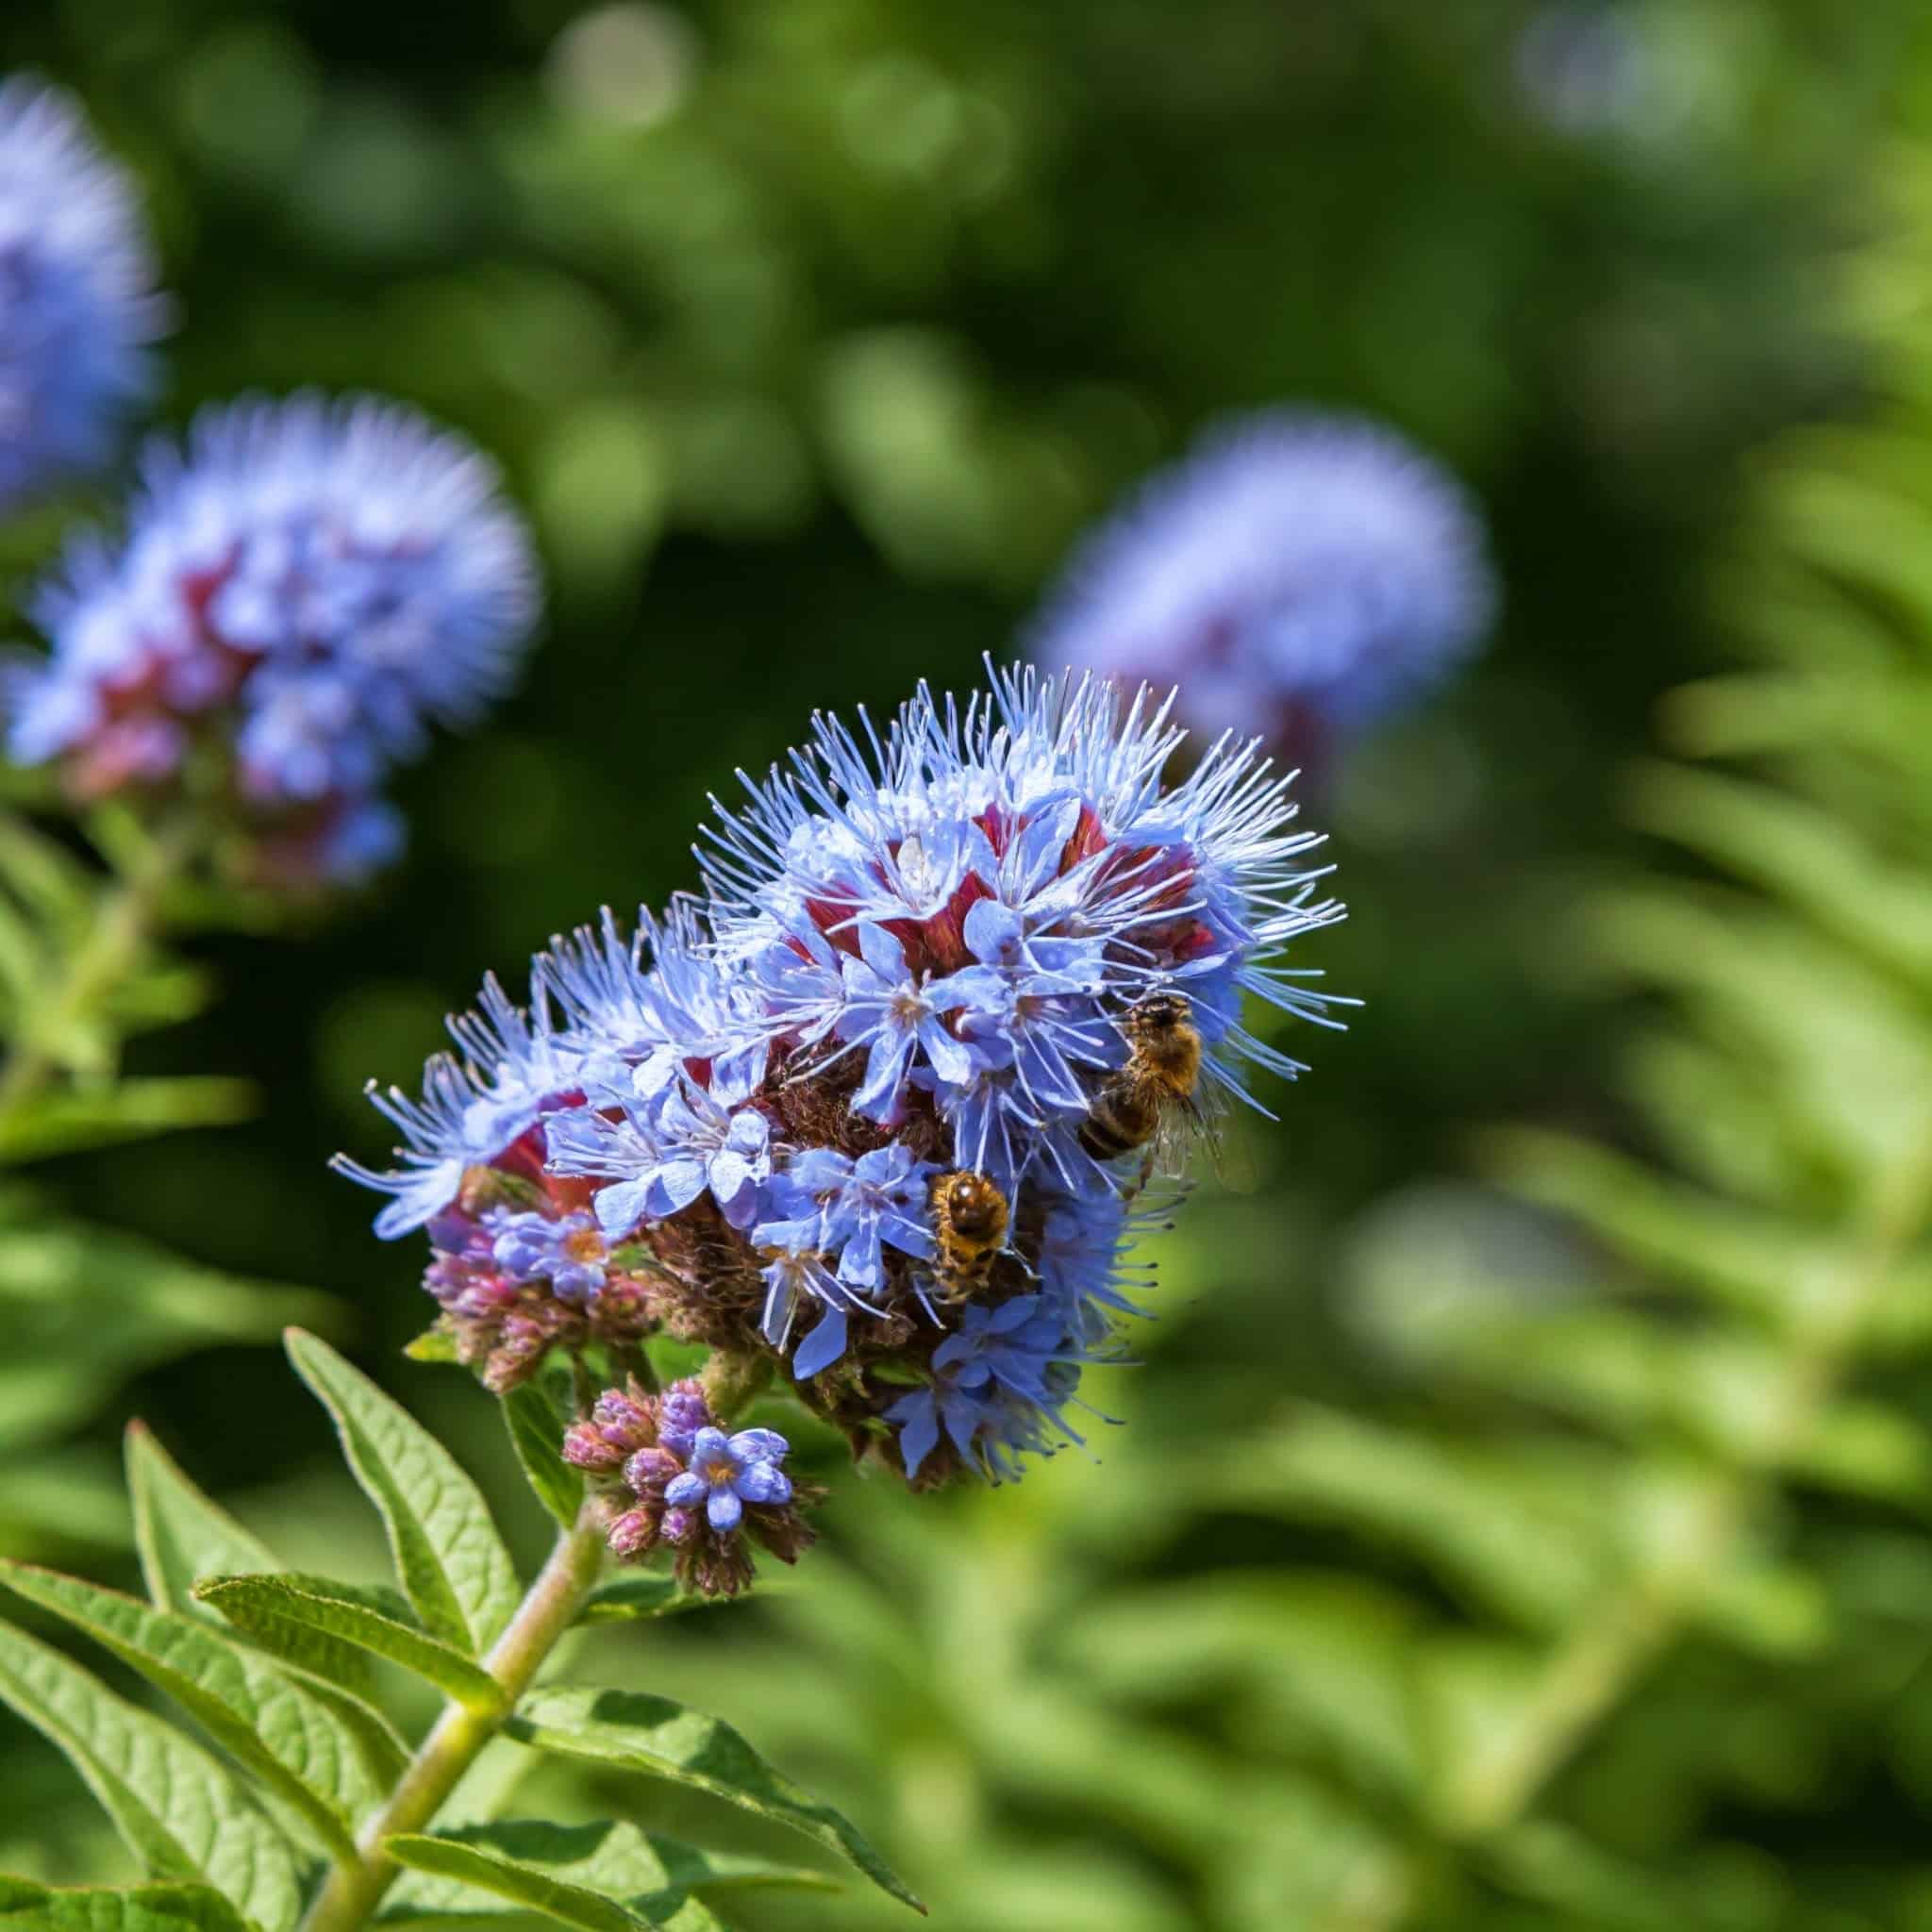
[(1331, 1656), (67, 1121), (1531, 1527), (663, 1739), (180, 1812), (449, 1557)]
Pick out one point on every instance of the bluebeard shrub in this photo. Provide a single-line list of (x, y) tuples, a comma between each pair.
[(1300, 576), (297, 595), (880, 1111), (78, 305)]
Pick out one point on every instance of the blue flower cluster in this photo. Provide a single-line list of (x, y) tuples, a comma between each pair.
[(1298, 575), (299, 593), (920, 957), (77, 300)]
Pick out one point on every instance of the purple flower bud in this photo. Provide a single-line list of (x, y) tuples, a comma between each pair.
[(633, 1533), (650, 1469), (585, 1446), (682, 1412)]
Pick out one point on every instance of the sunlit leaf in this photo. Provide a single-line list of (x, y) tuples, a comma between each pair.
[(449, 1557), (179, 1811), (286, 1611), (266, 1720), (183, 1534), (29, 1907), (645, 1874), (537, 1890), (663, 1739)]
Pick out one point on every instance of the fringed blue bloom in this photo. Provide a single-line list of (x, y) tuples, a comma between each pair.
[(313, 584), (1000, 1389), (478, 1107), (1299, 576), (851, 1209), (920, 960), (77, 302)]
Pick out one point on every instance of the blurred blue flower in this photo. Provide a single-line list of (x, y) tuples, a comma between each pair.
[(312, 584), (1300, 576), (77, 301)]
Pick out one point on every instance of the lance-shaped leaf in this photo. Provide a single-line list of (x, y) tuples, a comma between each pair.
[(182, 1815), (625, 1598), (185, 1538), (663, 1739), (281, 1730), (638, 1870), (536, 1431), (448, 1556), (128, 1111), (535, 1888), (25, 1906), (285, 1612)]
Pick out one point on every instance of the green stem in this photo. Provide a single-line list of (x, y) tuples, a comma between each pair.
[(122, 919), (356, 1887)]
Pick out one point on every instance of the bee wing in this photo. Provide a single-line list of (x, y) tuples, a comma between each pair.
[(1186, 1123)]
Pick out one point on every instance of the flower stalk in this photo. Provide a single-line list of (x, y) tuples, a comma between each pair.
[(356, 1886)]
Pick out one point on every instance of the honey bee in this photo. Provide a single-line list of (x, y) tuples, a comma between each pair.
[(969, 1217), (1156, 1094)]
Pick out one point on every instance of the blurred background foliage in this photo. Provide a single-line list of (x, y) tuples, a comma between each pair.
[(1513, 1528)]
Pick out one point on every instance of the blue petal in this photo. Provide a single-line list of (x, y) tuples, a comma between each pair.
[(764, 1482), (684, 1491), (621, 1206), (822, 1347), (725, 1509), (919, 1429)]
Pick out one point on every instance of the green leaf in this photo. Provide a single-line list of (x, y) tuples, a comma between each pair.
[(281, 1612), (626, 1598), (267, 1720), (536, 1430), (62, 1499), (448, 1556), (639, 1871), (25, 1906), (535, 1888), (432, 1345), (180, 1812), (185, 1539), (65, 1122), (663, 1739), (182, 1534)]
